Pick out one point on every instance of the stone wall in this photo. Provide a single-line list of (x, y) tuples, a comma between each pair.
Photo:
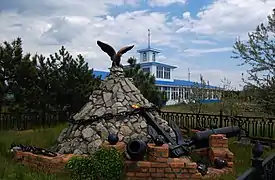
[(158, 165), (115, 95)]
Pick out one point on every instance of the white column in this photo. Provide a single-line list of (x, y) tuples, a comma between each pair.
[(179, 94), (183, 96), (212, 94), (170, 89)]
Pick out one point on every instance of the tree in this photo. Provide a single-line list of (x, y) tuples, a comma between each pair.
[(38, 83), (197, 94), (229, 102), (17, 74), (64, 80), (144, 82), (258, 53)]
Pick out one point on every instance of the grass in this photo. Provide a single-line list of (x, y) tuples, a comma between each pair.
[(213, 108), (10, 170), (242, 153), (255, 126), (242, 159)]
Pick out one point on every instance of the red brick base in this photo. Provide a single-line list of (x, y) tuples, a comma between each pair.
[(43, 163), (157, 166)]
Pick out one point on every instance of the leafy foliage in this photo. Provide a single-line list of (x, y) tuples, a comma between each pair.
[(80, 168), (105, 164), (197, 94), (17, 72), (38, 83), (67, 80), (230, 103), (144, 82), (258, 53)]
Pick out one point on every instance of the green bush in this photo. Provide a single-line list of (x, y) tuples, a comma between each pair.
[(104, 164), (80, 168)]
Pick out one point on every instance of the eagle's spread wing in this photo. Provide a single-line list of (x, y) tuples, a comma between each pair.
[(125, 49), (106, 48)]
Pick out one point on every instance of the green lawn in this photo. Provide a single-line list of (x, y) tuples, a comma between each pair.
[(212, 108), (10, 170)]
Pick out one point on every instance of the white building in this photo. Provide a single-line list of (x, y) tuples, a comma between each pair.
[(177, 90)]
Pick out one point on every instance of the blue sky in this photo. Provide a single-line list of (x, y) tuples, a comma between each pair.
[(195, 34)]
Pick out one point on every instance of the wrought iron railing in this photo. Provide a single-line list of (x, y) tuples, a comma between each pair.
[(23, 121), (262, 169), (254, 126)]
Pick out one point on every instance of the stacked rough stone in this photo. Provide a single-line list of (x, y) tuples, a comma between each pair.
[(116, 94)]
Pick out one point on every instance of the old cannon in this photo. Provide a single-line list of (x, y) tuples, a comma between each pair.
[(201, 138), (181, 146), (136, 149)]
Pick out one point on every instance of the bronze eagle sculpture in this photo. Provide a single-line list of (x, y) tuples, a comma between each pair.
[(115, 57)]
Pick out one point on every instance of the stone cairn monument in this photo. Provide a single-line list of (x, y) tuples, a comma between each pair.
[(108, 111)]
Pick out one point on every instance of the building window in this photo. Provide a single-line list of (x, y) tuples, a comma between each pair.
[(167, 91), (166, 73), (159, 72), (144, 56), (212, 94), (215, 95), (147, 70), (175, 94), (181, 93), (186, 93), (154, 56), (209, 94)]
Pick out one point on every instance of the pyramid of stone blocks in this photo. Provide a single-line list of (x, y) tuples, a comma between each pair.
[(115, 95)]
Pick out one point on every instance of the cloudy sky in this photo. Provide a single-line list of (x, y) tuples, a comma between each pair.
[(195, 34)]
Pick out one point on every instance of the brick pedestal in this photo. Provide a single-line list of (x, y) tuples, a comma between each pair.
[(219, 149), (120, 146), (159, 166), (174, 168), (43, 163), (157, 153)]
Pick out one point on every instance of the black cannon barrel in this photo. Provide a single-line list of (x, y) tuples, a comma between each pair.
[(136, 149), (201, 139), (230, 131)]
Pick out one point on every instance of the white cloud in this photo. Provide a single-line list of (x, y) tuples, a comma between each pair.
[(77, 26), (46, 25), (227, 17), (132, 2), (206, 42), (196, 52), (214, 76), (186, 15), (165, 2)]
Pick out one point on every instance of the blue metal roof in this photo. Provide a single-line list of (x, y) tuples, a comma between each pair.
[(103, 74), (142, 64), (148, 49), (176, 82), (179, 82)]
